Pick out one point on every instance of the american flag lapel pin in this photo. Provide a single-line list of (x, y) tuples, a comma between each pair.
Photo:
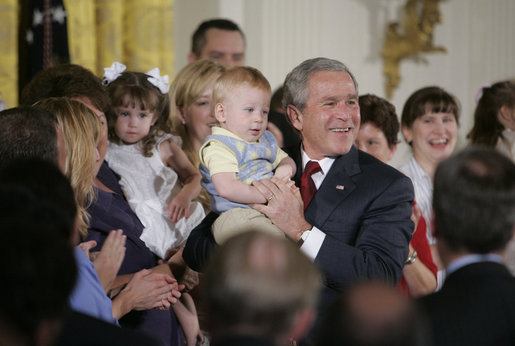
[(340, 187)]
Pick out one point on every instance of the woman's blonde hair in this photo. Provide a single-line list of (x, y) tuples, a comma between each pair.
[(82, 131), (186, 88)]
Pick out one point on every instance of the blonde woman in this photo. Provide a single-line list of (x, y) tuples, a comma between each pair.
[(191, 115), (82, 130)]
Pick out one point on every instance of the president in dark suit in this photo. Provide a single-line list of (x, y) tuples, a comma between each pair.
[(357, 226), (474, 219)]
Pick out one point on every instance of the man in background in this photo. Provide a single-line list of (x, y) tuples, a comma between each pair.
[(220, 40), (373, 313), (38, 268), (474, 219), (260, 290)]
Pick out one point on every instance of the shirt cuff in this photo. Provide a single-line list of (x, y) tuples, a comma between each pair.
[(313, 243)]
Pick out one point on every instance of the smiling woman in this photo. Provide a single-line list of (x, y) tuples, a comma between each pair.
[(430, 126)]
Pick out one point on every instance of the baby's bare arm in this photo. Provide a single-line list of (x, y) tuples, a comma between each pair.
[(228, 186), (175, 158)]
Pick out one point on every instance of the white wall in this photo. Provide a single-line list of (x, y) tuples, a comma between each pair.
[(282, 33)]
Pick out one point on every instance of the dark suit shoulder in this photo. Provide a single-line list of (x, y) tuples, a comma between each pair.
[(476, 306), (370, 164), (379, 176)]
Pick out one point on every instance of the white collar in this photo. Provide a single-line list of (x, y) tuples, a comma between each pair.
[(325, 163)]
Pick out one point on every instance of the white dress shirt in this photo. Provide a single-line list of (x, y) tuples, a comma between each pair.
[(313, 242)]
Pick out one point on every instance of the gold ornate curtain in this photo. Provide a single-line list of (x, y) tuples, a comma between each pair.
[(134, 32), (9, 11)]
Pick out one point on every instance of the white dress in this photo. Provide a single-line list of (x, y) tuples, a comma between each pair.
[(149, 186)]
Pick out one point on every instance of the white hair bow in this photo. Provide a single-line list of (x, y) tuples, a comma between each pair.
[(160, 82), (113, 72)]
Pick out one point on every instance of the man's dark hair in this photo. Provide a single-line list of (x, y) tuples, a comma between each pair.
[(198, 40), (47, 183), (66, 80), (37, 214), (38, 266), (474, 200), (28, 132)]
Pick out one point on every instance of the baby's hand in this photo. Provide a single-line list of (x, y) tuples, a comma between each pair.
[(179, 207), (283, 172)]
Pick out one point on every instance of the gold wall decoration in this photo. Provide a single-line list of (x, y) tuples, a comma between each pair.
[(414, 35)]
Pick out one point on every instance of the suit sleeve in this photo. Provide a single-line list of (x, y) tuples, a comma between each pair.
[(200, 244), (381, 240)]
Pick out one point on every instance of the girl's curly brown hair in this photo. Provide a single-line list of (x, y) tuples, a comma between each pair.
[(131, 89)]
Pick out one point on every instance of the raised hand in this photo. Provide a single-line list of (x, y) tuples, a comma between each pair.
[(109, 259)]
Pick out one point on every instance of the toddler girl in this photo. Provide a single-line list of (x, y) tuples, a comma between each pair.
[(157, 178)]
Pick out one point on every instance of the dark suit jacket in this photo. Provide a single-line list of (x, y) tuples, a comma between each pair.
[(80, 329), (367, 223), (364, 207), (476, 306)]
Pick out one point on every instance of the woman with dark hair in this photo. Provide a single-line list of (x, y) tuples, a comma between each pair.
[(494, 118), (429, 124)]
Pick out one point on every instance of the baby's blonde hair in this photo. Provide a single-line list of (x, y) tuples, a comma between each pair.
[(237, 77)]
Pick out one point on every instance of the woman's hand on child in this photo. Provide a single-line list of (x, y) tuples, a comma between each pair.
[(179, 208)]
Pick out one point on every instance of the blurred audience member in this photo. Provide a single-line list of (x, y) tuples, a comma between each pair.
[(494, 126), (260, 290), (30, 132), (494, 118), (373, 314), (278, 122), (474, 218), (220, 40), (38, 268)]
